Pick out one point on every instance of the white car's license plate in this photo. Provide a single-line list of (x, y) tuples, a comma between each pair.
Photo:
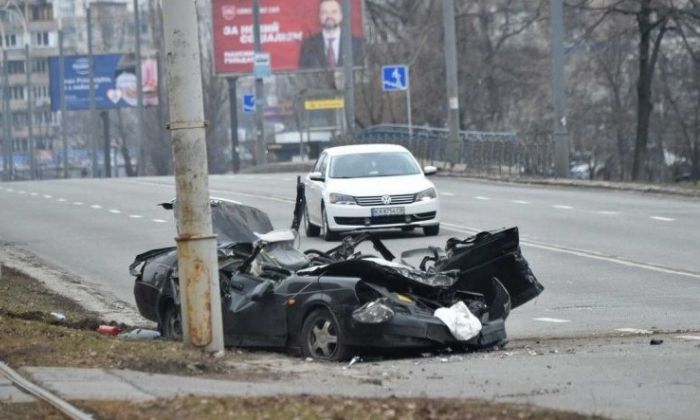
[(388, 211)]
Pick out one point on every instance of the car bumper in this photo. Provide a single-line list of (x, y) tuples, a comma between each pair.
[(345, 218), (414, 331)]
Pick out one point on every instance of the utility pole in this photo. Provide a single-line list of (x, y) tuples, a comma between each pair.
[(448, 16), (139, 91), (30, 111), (561, 135), (7, 137), (233, 119), (62, 75), (260, 152), (348, 62), (93, 106), (200, 299)]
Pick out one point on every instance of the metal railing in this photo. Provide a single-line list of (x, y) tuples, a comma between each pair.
[(482, 153)]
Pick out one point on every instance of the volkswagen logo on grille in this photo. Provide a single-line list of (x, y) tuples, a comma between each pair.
[(386, 199)]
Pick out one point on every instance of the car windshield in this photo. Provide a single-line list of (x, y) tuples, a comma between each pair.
[(365, 165)]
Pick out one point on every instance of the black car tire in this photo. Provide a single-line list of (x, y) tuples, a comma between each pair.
[(171, 326), (433, 230), (326, 232), (322, 337), (311, 230)]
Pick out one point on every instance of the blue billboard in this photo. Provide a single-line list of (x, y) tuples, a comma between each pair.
[(114, 79)]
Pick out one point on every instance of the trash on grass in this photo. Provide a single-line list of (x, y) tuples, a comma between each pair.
[(140, 334), (58, 316), (108, 330)]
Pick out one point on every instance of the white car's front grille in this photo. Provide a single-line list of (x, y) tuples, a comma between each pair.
[(380, 200)]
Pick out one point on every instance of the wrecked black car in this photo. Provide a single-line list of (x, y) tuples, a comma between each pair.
[(332, 304)]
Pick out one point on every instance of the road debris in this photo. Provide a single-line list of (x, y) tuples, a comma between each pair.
[(656, 342), (109, 330), (58, 316)]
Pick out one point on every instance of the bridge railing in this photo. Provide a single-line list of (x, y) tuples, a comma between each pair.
[(480, 153)]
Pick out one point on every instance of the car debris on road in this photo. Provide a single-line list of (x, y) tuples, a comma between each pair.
[(335, 304)]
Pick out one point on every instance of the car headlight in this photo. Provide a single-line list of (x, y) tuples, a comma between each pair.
[(428, 194), (373, 313), (336, 198)]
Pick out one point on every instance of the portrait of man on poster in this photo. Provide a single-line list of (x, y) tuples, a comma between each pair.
[(325, 48)]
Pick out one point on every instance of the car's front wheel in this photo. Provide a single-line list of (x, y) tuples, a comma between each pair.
[(311, 230), (326, 231), (322, 337), (171, 325), (433, 230)]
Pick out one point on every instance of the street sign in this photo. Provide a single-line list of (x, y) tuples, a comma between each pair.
[(335, 103), (248, 104), (394, 78), (261, 65)]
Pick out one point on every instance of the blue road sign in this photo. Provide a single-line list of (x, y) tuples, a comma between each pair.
[(248, 104), (394, 78)]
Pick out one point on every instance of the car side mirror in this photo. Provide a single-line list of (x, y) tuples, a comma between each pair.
[(429, 170), (316, 176), (262, 290)]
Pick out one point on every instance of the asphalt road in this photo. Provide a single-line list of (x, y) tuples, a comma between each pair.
[(609, 260)]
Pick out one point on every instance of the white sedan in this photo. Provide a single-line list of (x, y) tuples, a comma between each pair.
[(374, 186)]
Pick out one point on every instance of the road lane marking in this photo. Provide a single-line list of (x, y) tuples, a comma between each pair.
[(634, 331), (21, 192), (61, 200), (662, 219), (10, 190), (688, 337), (609, 212), (226, 199), (447, 194), (520, 202), (96, 206), (562, 207), (583, 253), (114, 211), (553, 320), (159, 221), (135, 216), (47, 196), (33, 194), (241, 194), (78, 203), (287, 179), (481, 197)]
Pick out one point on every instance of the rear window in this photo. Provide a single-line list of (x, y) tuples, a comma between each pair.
[(365, 165)]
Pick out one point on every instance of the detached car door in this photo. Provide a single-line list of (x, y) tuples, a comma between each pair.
[(314, 190)]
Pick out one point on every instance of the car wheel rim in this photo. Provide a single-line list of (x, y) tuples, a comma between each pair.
[(323, 339)]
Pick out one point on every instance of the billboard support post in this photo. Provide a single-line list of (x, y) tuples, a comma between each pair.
[(261, 156), (348, 62), (200, 298), (62, 77), (107, 143), (93, 109), (139, 93), (233, 115)]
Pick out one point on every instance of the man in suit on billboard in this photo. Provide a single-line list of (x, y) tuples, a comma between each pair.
[(324, 49)]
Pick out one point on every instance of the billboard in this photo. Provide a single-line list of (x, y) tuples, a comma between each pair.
[(114, 79), (298, 35)]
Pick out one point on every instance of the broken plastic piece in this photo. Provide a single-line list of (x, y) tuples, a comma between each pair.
[(58, 316), (354, 360), (140, 334), (108, 330), (656, 342)]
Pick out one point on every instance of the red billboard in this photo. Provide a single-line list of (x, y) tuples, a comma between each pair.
[(298, 34)]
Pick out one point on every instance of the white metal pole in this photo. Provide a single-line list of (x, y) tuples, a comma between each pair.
[(196, 243), (408, 103)]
